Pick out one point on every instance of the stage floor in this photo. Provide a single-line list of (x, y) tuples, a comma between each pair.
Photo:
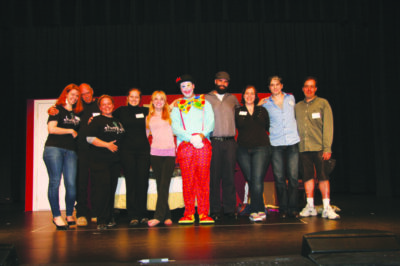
[(229, 242)]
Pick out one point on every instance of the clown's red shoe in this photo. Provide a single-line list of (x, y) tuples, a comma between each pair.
[(205, 219), (187, 219)]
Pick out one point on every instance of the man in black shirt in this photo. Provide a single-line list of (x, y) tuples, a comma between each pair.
[(90, 109)]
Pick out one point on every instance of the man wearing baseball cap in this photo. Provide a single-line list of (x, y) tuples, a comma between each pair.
[(223, 148)]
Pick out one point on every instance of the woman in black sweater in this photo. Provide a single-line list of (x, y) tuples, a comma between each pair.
[(135, 156), (254, 148)]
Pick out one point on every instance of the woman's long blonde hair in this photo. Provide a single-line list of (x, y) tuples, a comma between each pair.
[(165, 112)]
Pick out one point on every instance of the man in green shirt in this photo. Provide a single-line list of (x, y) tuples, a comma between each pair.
[(315, 125)]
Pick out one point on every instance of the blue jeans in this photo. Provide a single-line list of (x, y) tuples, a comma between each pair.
[(61, 161), (287, 194), (254, 164)]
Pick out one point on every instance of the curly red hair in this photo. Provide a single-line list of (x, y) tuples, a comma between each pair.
[(63, 96)]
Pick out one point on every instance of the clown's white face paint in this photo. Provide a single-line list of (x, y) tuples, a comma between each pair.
[(187, 89)]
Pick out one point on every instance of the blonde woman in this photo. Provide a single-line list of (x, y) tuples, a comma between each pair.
[(162, 154)]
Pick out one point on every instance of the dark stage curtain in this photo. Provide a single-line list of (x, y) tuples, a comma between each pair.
[(351, 46)]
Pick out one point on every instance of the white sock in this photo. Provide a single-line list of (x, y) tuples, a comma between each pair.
[(310, 202), (326, 203)]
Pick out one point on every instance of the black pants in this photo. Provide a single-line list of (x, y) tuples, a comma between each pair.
[(163, 169), (104, 178), (82, 208), (222, 172), (136, 168)]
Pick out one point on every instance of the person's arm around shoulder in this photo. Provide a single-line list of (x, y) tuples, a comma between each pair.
[(174, 103), (53, 110), (263, 101)]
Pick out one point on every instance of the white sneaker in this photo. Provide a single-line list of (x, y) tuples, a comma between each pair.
[(262, 215), (329, 213), (308, 211), (255, 218)]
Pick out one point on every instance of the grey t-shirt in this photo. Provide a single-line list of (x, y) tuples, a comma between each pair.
[(224, 114)]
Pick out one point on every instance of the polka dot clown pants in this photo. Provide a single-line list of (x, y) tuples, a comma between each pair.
[(195, 169)]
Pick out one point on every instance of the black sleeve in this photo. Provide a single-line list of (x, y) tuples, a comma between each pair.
[(266, 118), (239, 119), (92, 128), (117, 112), (146, 110)]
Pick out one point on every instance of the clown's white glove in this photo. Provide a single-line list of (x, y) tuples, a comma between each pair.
[(198, 145), (197, 141)]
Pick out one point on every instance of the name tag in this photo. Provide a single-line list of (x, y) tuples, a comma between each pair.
[(316, 115), (95, 114), (242, 113), (139, 115)]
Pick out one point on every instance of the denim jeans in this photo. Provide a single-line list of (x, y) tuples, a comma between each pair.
[(254, 164), (61, 161), (287, 194)]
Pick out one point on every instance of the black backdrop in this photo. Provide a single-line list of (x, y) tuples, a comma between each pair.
[(351, 46)]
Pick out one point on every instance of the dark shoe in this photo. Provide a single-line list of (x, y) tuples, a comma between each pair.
[(101, 227), (144, 220), (112, 223), (72, 222), (283, 214), (294, 214), (230, 215), (216, 216), (133, 222), (61, 227)]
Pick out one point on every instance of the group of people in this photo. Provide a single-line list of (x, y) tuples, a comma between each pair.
[(87, 137)]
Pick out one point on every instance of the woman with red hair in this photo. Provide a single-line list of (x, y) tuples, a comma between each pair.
[(60, 153)]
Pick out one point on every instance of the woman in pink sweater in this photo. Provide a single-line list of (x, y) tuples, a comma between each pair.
[(162, 153)]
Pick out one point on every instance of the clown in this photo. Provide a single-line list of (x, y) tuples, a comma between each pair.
[(192, 123)]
